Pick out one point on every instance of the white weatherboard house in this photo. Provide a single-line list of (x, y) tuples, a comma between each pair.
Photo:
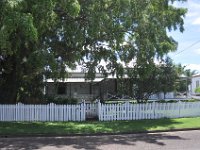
[(194, 84), (76, 86)]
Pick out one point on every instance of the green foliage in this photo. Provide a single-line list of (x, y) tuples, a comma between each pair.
[(151, 79), (191, 100), (72, 7), (168, 77), (197, 90), (24, 55)]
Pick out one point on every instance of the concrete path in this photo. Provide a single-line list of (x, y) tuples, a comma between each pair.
[(196, 97), (181, 140)]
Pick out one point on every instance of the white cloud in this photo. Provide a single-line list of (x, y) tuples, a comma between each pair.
[(194, 5), (193, 67), (196, 21), (197, 51), (192, 14)]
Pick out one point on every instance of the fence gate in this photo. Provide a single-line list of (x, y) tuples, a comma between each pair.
[(91, 110)]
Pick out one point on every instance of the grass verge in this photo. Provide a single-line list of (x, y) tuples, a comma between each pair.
[(92, 127)]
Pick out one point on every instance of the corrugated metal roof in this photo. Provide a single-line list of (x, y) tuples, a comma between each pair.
[(80, 77), (195, 76), (76, 80)]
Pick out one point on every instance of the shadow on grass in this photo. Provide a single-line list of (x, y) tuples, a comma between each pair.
[(86, 142), (89, 127)]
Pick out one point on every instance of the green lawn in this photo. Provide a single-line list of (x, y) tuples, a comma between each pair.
[(63, 128)]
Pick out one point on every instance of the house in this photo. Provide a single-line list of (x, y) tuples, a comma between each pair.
[(76, 86), (195, 83)]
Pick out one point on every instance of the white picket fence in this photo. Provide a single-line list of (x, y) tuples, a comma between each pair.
[(105, 112), (50, 112), (128, 111)]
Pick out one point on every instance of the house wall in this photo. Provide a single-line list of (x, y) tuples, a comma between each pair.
[(92, 90), (168, 95), (108, 86), (51, 89), (80, 90), (194, 84), (87, 91)]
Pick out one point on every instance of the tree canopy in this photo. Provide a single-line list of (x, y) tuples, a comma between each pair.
[(44, 37)]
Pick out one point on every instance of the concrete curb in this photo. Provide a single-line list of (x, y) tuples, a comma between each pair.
[(93, 134)]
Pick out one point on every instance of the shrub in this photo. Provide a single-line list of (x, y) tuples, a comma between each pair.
[(197, 90), (61, 100), (191, 100)]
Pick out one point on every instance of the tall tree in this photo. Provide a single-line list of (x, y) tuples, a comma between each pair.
[(167, 77), (154, 78), (24, 26), (47, 36), (145, 82)]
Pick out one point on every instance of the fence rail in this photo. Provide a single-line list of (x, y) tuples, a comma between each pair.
[(50, 112)]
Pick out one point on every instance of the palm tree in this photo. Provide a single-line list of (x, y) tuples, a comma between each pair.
[(185, 76), (189, 73)]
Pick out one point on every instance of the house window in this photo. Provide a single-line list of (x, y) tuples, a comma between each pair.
[(197, 83), (61, 89)]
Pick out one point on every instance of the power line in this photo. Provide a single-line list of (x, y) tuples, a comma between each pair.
[(187, 48)]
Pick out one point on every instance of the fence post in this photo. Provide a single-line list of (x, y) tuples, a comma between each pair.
[(154, 109), (179, 107), (83, 112), (99, 110), (127, 110)]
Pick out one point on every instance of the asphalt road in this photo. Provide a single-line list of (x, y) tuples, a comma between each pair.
[(181, 140)]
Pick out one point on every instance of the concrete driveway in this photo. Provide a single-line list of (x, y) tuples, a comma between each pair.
[(181, 140)]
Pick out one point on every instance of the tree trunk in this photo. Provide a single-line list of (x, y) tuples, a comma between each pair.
[(8, 90), (8, 87), (164, 95)]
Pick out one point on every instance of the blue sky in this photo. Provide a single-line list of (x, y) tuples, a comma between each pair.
[(188, 52)]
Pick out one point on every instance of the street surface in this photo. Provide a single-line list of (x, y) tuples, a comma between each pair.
[(181, 140)]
